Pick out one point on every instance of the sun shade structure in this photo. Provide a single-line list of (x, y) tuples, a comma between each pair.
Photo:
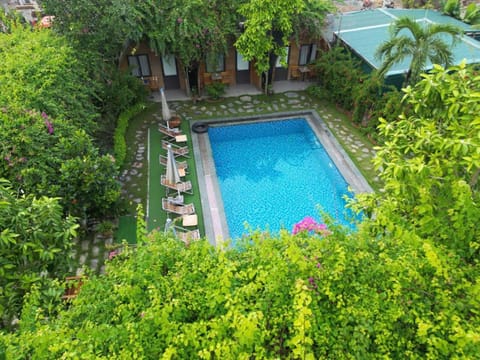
[(166, 114), (364, 31), (172, 175)]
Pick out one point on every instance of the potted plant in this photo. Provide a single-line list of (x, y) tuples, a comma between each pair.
[(215, 90)]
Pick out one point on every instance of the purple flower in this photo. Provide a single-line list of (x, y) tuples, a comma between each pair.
[(49, 126)]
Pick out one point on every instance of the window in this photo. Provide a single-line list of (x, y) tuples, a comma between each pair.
[(216, 63), (140, 65), (308, 54)]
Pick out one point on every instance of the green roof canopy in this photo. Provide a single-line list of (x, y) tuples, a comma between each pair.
[(363, 31)]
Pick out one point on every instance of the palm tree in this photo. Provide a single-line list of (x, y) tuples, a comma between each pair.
[(422, 44)]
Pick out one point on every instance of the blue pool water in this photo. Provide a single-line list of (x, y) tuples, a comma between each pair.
[(273, 174)]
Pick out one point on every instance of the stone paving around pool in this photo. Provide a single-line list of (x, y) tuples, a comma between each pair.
[(93, 254)]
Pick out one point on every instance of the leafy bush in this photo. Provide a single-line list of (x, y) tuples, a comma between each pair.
[(215, 90), (35, 245), (50, 157), (340, 75), (40, 71), (472, 14), (452, 8), (120, 145), (360, 296)]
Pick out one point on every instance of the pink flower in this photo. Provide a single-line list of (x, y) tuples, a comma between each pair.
[(49, 126), (113, 253), (179, 20), (308, 224)]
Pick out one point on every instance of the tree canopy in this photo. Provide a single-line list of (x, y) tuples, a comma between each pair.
[(269, 25)]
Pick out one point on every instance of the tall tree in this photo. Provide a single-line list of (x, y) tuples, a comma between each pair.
[(269, 26), (412, 41), (46, 122), (194, 31), (99, 32), (40, 71)]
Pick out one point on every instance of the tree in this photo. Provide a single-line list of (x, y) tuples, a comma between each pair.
[(46, 122), (99, 28), (35, 245), (269, 25), (430, 163), (193, 31), (98, 33), (422, 44)]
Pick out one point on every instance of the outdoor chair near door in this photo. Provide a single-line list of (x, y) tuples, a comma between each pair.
[(170, 207), (177, 149), (184, 186), (294, 73), (182, 166)]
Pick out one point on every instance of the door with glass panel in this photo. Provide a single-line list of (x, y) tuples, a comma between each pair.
[(243, 70), (170, 73)]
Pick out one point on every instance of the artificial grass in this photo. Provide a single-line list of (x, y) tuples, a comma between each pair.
[(156, 216), (127, 229)]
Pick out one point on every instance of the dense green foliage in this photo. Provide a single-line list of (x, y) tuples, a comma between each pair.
[(338, 74), (342, 81), (51, 157), (430, 164), (48, 156), (119, 142), (40, 71), (97, 33), (421, 44), (296, 297), (35, 243), (470, 14), (269, 25)]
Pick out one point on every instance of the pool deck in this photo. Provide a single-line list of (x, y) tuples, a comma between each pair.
[(216, 228)]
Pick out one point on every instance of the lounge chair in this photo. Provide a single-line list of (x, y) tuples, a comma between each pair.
[(170, 132), (186, 209), (184, 186), (177, 150), (187, 236), (182, 166)]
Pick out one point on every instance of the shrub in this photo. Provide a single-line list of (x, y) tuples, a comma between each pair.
[(120, 145), (339, 74), (215, 90)]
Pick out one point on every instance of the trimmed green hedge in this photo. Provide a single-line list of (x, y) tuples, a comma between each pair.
[(119, 143)]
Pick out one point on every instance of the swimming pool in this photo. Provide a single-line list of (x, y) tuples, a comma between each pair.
[(274, 173)]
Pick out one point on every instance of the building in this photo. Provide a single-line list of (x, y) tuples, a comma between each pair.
[(363, 31), (157, 71)]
